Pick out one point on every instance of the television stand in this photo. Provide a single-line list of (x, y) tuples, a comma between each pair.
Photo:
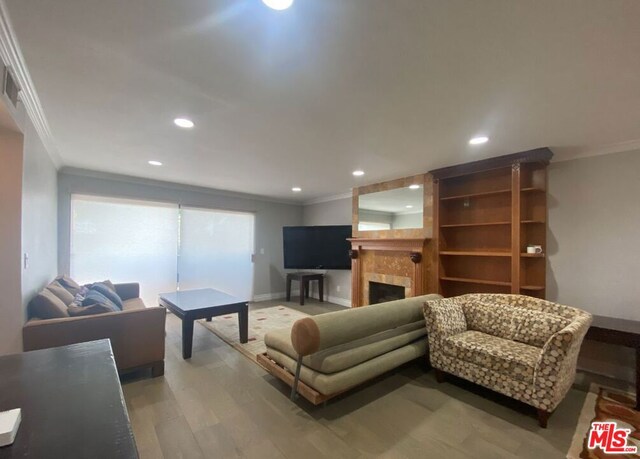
[(304, 279)]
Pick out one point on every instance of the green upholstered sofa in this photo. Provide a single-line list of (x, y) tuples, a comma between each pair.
[(340, 350), (523, 347)]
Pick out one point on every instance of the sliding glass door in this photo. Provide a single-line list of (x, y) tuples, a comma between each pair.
[(216, 249), (161, 246), (125, 241)]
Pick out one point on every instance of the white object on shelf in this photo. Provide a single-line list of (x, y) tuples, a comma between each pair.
[(9, 423)]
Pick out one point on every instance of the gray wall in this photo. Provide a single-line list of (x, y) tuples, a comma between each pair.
[(593, 254), (39, 215), (270, 216), (594, 217), (336, 212)]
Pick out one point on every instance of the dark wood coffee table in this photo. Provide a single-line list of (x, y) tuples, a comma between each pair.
[(621, 332), (191, 305), (71, 401)]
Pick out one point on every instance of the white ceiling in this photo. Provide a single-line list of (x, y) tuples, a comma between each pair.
[(305, 96)]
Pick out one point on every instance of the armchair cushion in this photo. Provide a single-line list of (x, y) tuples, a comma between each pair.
[(536, 327), (491, 319), (500, 355)]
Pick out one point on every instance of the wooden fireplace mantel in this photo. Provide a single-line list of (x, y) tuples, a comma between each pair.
[(414, 249)]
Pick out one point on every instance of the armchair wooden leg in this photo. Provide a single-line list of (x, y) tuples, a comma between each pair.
[(157, 369), (543, 417), (440, 375)]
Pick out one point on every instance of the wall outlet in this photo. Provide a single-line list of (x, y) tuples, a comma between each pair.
[(261, 251), (25, 261), (337, 288)]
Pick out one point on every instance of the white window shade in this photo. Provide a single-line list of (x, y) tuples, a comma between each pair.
[(125, 241), (216, 249)]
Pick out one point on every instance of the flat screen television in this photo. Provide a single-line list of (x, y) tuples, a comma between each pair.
[(316, 247)]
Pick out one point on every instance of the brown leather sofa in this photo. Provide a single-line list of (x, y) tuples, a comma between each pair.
[(137, 332)]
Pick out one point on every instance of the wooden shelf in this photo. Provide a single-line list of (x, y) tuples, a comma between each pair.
[(476, 281), (505, 209), (475, 195), (463, 225), (475, 253)]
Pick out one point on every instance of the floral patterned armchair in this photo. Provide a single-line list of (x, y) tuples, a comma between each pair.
[(523, 347)]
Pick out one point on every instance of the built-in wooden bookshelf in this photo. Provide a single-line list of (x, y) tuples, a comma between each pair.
[(485, 215)]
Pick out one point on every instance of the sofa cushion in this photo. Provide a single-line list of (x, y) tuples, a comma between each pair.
[(492, 319), (94, 297), (45, 305), (93, 309), (133, 303), (344, 356), (338, 382), (536, 327), (504, 356), (72, 286), (62, 293), (109, 292)]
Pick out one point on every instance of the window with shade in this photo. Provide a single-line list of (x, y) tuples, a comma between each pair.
[(161, 246)]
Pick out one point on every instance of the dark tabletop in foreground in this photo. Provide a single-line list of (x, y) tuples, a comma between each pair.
[(71, 401)]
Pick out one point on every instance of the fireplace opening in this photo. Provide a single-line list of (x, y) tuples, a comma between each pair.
[(381, 293)]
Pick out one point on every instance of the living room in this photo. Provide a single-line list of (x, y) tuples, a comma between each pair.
[(264, 228)]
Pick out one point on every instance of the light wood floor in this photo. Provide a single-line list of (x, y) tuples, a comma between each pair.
[(219, 404)]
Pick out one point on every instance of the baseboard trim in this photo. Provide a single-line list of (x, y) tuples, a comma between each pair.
[(295, 293), (339, 301)]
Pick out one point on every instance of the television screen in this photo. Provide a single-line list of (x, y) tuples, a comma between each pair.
[(316, 247)]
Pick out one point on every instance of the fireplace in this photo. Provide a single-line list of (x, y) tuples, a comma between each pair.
[(395, 262), (381, 293)]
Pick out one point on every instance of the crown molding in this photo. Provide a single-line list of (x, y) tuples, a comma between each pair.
[(78, 172), (12, 57), (588, 152), (334, 197)]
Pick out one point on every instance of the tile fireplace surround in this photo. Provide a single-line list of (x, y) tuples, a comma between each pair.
[(401, 262)]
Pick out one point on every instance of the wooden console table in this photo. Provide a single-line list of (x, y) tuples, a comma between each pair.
[(305, 279), (621, 332), (71, 401)]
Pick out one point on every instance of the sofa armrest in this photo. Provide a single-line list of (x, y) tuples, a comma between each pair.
[(444, 318), (128, 291), (137, 336), (556, 368)]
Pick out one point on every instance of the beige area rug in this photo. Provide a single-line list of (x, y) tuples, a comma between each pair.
[(261, 321), (605, 404)]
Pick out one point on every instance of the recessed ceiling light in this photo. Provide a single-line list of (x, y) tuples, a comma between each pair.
[(478, 140), (296, 189), (155, 163), (414, 187), (278, 4), (358, 173), (183, 123), (409, 207)]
